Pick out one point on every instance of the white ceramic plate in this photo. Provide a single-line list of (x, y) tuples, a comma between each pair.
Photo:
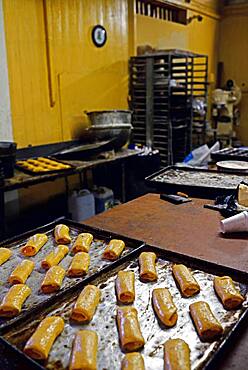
[(233, 166)]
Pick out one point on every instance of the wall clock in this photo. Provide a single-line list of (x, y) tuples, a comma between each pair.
[(99, 36)]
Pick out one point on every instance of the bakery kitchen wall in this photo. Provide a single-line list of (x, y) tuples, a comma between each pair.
[(55, 71)]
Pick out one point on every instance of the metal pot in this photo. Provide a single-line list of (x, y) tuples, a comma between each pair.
[(110, 117)]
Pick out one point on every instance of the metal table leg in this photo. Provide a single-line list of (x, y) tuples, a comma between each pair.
[(2, 215), (123, 182)]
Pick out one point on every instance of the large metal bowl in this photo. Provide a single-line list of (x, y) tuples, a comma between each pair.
[(110, 117)]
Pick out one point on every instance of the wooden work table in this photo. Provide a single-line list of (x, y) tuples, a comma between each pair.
[(189, 229)]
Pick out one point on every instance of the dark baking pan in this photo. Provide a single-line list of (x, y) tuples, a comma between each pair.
[(203, 355), (37, 298), (232, 154), (64, 170), (195, 182)]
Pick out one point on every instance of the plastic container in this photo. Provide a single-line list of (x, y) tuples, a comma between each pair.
[(7, 157), (104, 199), (81, 205)]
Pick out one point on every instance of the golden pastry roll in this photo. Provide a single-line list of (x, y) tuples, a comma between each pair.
[(53, 279), (164, 306), (227, 292), (114, 249), (21, 272), (84, 351), (82, 243), (79, 264), (133, 361), (176, 355), (34, 244), (186, 281), (11, 304), (5, 254), (125, 286), (131, 338), (207, 326), (61, 234), (53, 258), (86, 304), (40, 343), (147, 262)]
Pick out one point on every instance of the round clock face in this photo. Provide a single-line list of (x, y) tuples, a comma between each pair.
[(99, 36)]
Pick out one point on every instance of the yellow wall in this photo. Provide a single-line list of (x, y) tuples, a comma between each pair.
[(234, 53), (199, 37), (83, 77)]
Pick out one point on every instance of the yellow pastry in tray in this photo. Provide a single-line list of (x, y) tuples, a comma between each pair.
[(84, 351), (86, 304), (186, 281), (53, 279), (207, 326), (21, 272), (53, 258), (40, 343), (227, 292), (5, 254), (82, 243), (176, 355), (133, 361), (61, 234), (147, 263), (11, 304), (164, 306), (114, 249), (130, 334), (79, 264), (34, 244), (125, 286)]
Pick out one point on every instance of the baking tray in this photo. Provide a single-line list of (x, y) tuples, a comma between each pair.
[(37, 298), (236, 154), (29, 172), (203, 355), (195, 182)]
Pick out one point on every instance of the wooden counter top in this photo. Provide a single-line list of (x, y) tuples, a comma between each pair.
[(189, 229)]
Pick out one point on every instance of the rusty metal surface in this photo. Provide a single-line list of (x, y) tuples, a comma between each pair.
[(22, 180), (35, 279), (189, 229), (109, 352)]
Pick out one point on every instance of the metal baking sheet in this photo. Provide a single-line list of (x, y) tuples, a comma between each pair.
[(104, 321), (195, 182), (238, 154), (30, 172), (101, 239)]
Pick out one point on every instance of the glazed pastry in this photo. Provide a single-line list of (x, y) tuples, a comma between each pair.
[(61, 234), (133, 361), (79, 264), (164, 306), (53, 258), (125, 287), (84, 351), (11, 304), (114, 249), (34, 244), (86, 304), (186, 281), (82, 243), (226, 291), (130, 334), (207, 326), (176, 355), (5, 254), (40, 343), (148, 266), (21, 272), (53, 279)]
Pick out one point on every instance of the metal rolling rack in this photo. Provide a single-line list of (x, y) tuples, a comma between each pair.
[(161, 87)]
